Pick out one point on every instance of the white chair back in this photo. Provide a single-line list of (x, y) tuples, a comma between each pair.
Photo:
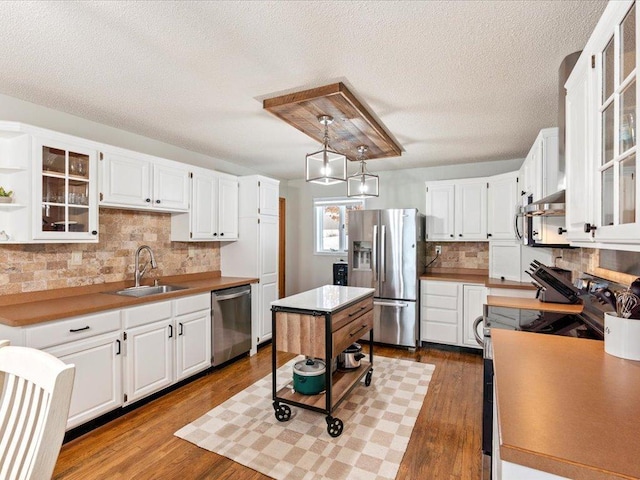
[(34, 406)]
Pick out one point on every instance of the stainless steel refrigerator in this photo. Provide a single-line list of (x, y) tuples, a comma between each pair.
[(387, 252)]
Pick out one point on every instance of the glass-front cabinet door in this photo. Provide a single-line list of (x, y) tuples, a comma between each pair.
[(65, 203), (615, 61)]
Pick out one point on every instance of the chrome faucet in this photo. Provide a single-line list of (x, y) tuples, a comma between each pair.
[(139, 273)]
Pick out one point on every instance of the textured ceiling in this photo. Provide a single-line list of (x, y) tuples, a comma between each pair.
[(452, 81)]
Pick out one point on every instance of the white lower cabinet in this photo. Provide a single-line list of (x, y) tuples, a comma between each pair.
[(448, 310), (193, 335), (97, 386), (93, 344), (165, 342), (148, 333)]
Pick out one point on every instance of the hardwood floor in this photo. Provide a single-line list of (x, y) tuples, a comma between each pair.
[(445, 443)]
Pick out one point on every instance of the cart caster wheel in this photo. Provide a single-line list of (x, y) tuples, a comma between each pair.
[(367, 379), (334, 426), (283, 412)]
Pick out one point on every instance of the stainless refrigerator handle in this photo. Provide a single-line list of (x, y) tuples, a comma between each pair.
[(392, 304), (383, 253), (374, 254)]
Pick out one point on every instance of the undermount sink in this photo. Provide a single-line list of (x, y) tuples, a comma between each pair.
[(145, 291)]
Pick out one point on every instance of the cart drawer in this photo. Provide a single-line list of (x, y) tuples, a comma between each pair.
[(352, 332), (349, 314)]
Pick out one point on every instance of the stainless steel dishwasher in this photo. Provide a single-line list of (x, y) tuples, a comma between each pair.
[(230, 323)]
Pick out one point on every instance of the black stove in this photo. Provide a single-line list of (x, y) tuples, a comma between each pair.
[(588, 324)]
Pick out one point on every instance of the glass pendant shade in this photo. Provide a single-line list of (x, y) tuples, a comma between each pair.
[(363, 184), (326, 166)]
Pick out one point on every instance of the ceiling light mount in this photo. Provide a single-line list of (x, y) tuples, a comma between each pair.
[(363, 184), (326, 166)]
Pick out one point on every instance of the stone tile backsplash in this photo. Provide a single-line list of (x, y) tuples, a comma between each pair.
[(26, 268), (471, 255)]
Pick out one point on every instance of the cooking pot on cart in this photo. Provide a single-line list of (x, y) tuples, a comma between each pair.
[(350, 358), (309, 376)]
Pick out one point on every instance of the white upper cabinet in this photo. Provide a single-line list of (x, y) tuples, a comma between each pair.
[(601, 146), (579, 193), (457, 210), (213, 215), (53, 178), (137, 181), (502, 200)]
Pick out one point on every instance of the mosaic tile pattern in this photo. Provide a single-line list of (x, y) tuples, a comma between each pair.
[(27, 268), (378, 421)]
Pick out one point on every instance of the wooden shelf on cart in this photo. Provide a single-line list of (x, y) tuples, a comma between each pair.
[(342, 382)]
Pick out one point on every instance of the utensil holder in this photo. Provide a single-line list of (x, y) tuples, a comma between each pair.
[(622, 337)]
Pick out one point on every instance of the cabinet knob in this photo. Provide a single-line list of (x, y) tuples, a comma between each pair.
[(94, 232), (451, 235), (222, 234), (157, 201), (589, 228), (459, 234), (489, 235), (215, 234), (148, 200), (561, 230)]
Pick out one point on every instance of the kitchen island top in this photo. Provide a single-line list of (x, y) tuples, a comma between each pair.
[(327, 298), (566, 407)]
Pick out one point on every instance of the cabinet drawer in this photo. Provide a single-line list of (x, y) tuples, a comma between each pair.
[(75, 328), (352, 332), (192, 304), (448, 289), (438, 301), (349, 314), (439, 332), (148, 313), (440, 315)]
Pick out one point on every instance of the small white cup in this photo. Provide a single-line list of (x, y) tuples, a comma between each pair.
[(622, 336)]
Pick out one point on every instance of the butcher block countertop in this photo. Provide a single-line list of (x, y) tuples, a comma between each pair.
[(566, 407), (532, 304), (480, 277), (23, 309)]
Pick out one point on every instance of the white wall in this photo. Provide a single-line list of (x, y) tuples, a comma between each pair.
[(398, 189), (13, 109)]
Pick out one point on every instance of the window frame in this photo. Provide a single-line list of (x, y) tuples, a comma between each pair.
[(318, 206)]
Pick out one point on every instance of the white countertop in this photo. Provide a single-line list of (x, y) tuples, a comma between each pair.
[(327, 298)]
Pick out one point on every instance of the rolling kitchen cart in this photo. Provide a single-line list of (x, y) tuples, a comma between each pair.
[(321, 323)]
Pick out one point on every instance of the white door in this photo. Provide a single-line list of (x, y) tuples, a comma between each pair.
[(440, 211), (204, 206), (125, 180), (97, 385), (473, 298), (268, 293), (171, 187), (269, 193), (228, 209), (579, 194), (471, 211), (193, 343), (149, 358), (502, 200)]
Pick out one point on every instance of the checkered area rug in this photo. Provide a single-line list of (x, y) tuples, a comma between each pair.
[(378, 421)]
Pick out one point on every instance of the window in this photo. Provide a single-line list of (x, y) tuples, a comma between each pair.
[(331, 223)]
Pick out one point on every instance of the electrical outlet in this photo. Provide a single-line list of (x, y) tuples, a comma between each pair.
[(438, 249), (76, 258)]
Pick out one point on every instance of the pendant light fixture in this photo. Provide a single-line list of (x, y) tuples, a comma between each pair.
[(326, 166), (362, 184)]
